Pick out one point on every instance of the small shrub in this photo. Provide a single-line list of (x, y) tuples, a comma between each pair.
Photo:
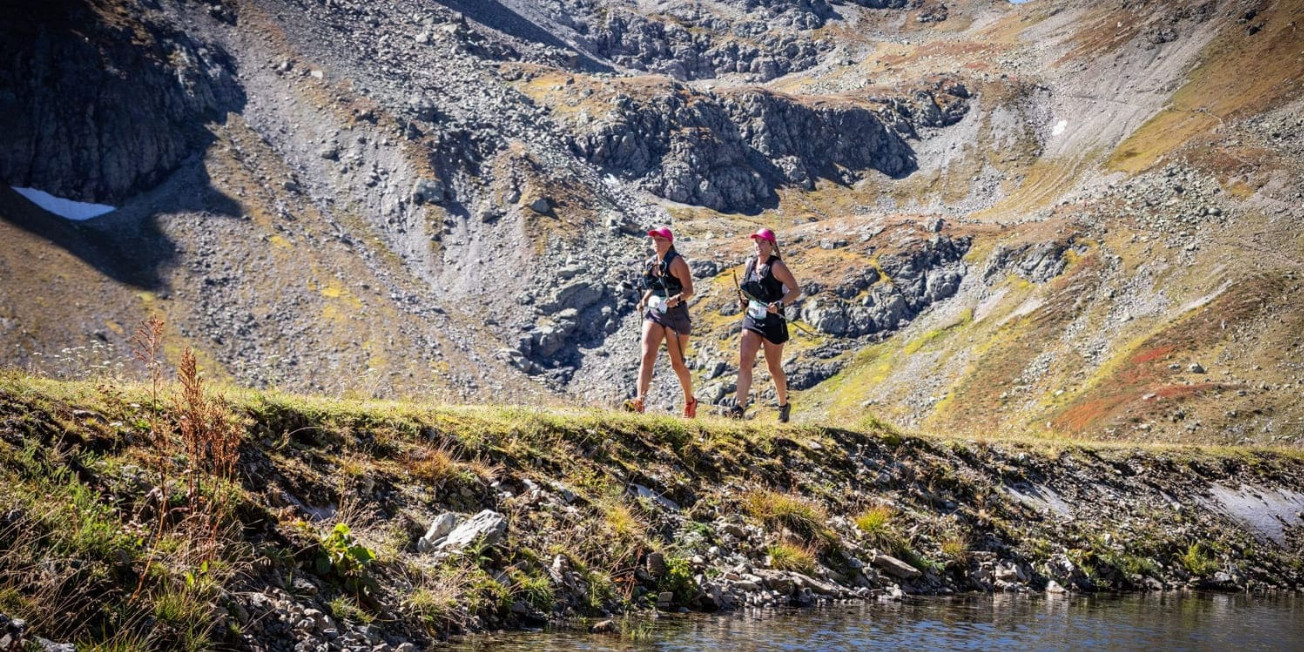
[(484, 469), (622, 520), (433, 464), (349, 561), (490, 595), (602, 590), (453, 596), (436, 605), (1144, 566), (789, 557), (353, 466), (634, 629), (536, 590), (885, 431), (185, 615), (679, 579), (1198, 561), (479, 552), (876, 523), (921, 562)]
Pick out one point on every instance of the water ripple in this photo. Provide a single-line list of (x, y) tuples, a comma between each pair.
[(1167, 622)]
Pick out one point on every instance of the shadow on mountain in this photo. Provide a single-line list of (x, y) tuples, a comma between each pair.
[(127, 245), (100, 107), (494, 14)]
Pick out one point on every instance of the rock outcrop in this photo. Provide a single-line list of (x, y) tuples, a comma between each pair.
[(756, 39), (1037, 262), (919, 277), (97, 107), (730, 151)]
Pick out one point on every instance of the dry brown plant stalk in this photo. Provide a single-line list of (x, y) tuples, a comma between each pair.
[(146, 346), (211, 441)]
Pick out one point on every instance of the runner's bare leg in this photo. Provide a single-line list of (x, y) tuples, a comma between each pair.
[(751, 342), (774, 360), (653, 334), (677, 362)]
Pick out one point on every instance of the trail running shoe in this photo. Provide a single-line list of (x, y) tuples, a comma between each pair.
[(690, 409), (783, 412), (736, 411), (634, 405)]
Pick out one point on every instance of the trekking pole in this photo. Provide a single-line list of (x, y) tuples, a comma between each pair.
[(804, 329)]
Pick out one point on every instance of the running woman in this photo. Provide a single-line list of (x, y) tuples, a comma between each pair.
[(767, 288), (664, 306)]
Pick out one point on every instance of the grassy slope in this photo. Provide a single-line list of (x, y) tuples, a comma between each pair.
[(78, 473), (1221, 88), (1142, 389), (1238, 323)]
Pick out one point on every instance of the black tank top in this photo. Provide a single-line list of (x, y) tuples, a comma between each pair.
[(664, 284), (759, 281)]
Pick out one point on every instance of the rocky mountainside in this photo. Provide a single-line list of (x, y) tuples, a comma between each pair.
[(1056, 217)]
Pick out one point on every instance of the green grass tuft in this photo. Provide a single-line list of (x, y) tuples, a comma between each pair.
[(797, 514), (790, 557)]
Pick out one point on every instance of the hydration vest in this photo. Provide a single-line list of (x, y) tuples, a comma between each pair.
[(760, 282), (663, 284)]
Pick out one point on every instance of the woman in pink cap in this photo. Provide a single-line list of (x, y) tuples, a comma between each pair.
[(664, 305), (767, 288)]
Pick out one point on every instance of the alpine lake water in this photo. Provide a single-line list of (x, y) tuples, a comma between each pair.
[(1167, 621)]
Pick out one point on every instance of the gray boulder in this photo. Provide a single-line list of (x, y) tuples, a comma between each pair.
[(438, 532), (895, 567), (488, 526), (889, 308), (541, 205), (860, 320), (428, 190), (578, 295), (826, 314), (941, 284), (550, 338), (1038, 262)]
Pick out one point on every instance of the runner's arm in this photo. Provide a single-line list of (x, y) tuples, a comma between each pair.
[(680, 270), (792, 290)]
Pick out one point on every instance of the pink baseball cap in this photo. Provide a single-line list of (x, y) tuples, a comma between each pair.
[(764, 234), (662, 232)]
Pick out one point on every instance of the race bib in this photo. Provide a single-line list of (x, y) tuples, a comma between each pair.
[(756, 309), (657, 304)]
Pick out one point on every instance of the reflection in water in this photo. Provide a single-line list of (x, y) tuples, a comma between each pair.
[(1154, 621)]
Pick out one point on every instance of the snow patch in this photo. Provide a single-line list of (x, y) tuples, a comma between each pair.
[(65, 208), (1059, 127)]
